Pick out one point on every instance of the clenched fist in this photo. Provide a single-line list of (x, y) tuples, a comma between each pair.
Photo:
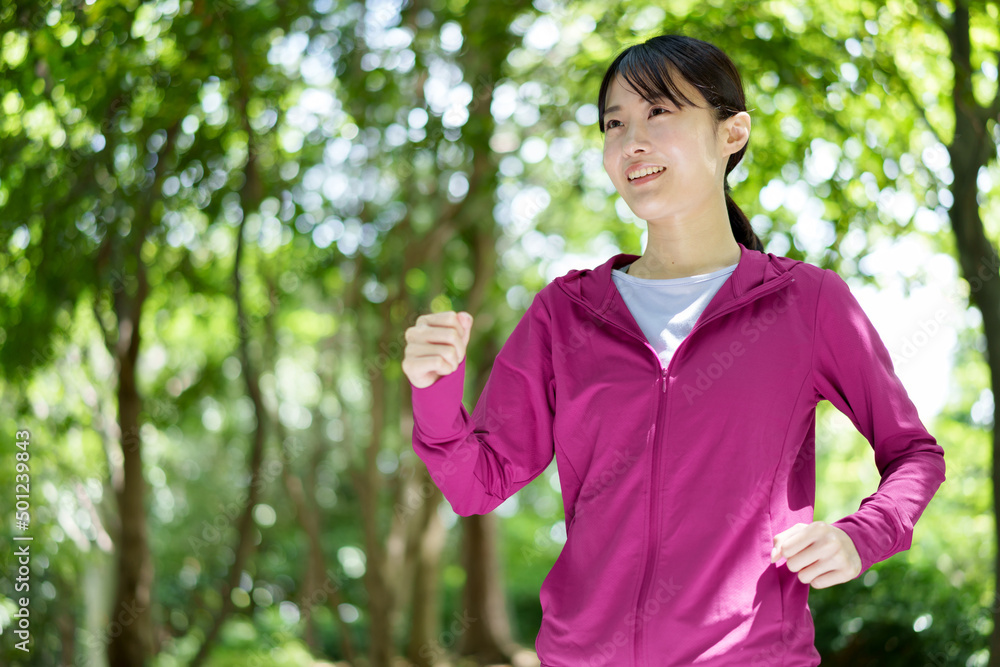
[(822, 554), (435, 346)]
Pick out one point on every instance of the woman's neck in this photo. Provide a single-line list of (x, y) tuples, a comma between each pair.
[(683, 256)]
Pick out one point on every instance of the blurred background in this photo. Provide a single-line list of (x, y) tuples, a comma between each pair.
[(217, 219)]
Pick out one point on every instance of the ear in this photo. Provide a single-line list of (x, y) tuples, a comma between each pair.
[(735, 132)]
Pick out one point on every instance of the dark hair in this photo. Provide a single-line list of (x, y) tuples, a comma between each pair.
[(648, 69)]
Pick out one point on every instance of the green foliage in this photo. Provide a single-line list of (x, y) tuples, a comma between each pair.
[(145, 131)]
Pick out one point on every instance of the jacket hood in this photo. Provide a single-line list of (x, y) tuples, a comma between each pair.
[(595, 287)]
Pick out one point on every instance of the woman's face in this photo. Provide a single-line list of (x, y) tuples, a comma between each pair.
[(683, 144)]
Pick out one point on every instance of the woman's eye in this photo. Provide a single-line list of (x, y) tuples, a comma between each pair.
[(610, 123)]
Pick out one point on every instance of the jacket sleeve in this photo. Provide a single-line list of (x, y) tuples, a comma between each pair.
[(853, 370), (479, 461)]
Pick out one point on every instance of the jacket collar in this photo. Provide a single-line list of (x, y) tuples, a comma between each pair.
[(596, 289)]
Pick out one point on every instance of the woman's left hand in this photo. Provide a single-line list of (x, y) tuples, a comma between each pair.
[(822, 554)]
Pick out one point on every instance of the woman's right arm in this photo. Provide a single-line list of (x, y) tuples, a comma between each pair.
[(480, 460)]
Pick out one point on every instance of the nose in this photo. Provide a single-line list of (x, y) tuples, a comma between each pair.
[(635, 139)]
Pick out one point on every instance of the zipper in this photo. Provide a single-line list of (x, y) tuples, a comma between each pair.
[(649, 567)]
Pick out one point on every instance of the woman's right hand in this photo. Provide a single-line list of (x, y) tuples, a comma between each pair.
[(435, 346)]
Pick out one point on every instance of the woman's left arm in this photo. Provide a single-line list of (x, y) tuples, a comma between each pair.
[(853, 370)]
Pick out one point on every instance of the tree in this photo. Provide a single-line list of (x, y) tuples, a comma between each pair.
[(246, 204)]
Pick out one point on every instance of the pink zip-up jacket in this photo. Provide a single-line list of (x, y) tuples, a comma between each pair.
[(675, 480)]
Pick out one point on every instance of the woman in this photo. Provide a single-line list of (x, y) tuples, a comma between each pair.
[(677, 392)]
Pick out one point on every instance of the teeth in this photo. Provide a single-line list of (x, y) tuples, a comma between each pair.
[(644, 172)]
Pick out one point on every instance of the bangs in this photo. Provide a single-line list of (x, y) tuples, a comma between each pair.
[(652, 78), (650, 73)]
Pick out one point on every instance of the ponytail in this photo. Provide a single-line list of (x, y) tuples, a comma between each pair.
[(740, 224)]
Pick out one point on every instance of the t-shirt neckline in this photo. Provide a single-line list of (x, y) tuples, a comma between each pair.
[(687, 280)]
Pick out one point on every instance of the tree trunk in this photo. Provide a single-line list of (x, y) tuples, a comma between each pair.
[(130, 626), (369, 486), (485, 625), (970, 150), (67, 638), (427, 645), (318, 584)]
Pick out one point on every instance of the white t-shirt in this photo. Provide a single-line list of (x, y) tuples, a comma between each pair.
[(667, 309)]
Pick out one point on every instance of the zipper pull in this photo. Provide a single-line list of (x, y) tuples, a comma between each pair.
[(664, 373)]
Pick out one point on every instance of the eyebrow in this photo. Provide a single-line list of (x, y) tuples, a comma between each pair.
[(660, 100)]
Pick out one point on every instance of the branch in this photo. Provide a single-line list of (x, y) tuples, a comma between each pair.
[(108, 342)]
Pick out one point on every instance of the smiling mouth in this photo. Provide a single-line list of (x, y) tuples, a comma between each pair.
[(647, 178)]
